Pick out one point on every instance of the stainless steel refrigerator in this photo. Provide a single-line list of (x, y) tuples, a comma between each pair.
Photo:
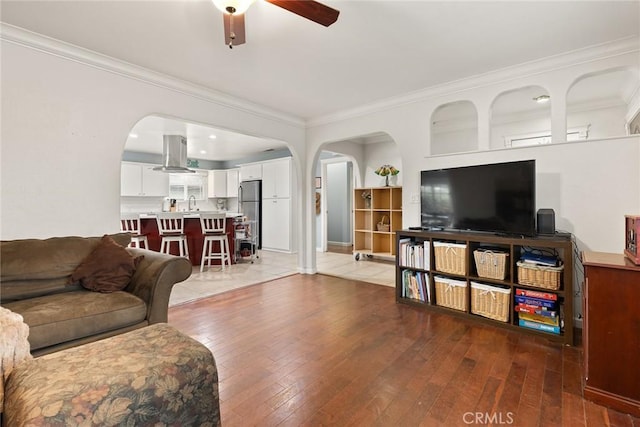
[(250, 199)]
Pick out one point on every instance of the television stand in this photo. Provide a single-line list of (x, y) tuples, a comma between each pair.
[(417, 266)]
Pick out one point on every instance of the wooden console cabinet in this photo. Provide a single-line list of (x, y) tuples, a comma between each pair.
[(611, 331), (469, 288)]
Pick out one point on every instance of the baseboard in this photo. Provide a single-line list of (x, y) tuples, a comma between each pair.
[(339, 243)]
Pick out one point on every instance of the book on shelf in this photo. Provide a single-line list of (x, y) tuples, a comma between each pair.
[(536, 302), (539, 326), (537, 294), (537, 318), (534, 309), (415, 285), (413, 254), (415, 289), (426, 258), (425, 284), (402, 251)]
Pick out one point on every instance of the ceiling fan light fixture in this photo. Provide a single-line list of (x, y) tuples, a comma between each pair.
[(233, 6)]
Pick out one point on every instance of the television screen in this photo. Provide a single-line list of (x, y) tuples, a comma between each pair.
[(497, 197)]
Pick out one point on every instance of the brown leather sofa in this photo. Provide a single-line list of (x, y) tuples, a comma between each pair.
[(35, 283)]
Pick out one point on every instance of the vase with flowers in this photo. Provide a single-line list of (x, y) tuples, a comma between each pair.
[(366, 195), (386, 171)]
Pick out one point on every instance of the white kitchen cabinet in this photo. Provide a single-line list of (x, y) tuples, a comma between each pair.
[(139, 179), (184, 185), (277, 220), (217, 183), (276, 224), (130, 180), (251, 171), (154, 183), (276, 178), (232, 182)]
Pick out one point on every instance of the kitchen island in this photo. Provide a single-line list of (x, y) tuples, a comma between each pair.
[(192, 229)]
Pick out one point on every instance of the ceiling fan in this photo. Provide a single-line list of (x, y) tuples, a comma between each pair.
[(234, 10)]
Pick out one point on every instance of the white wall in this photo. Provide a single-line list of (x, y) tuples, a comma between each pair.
[(454, 141), (64, 126), (376, 155)]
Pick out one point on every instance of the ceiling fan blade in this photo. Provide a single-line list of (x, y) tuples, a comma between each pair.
[(233, 29), (316, 12)]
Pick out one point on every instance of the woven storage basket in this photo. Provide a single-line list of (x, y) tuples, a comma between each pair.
[(451, 293), (450, 257), (382, 225), (492, 265), (539, 276), (490, 301)]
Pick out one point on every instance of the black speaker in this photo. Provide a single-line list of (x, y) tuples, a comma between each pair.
[(546, 223)]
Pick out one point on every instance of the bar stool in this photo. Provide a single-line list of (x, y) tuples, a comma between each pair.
[(214, 230), (171, 229), (130, 223)]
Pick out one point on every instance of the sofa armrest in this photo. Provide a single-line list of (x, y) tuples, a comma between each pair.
[(154, 278)]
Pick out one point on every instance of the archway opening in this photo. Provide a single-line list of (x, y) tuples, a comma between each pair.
[(521, 117), (346, 167), (602, 105), (454, 128)]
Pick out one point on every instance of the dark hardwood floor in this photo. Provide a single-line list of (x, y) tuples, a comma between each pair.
[(318, 350)]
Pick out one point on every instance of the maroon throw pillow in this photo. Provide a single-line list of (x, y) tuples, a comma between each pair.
[(108, 268)]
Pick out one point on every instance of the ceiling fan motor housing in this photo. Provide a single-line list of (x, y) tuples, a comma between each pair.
[(234, 15)]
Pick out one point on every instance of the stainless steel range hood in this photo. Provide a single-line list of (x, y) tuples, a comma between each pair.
[(174, 155)]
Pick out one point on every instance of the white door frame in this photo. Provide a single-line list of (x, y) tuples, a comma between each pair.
[(323, 198)]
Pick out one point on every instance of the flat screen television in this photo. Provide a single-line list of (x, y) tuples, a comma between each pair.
[(497, 198)]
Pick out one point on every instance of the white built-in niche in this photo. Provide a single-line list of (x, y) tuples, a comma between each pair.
[(598, 105)]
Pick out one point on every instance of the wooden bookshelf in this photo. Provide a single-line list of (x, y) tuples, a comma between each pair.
[(383, 205), (467, 277)]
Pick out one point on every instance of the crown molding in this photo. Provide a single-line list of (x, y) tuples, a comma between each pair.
[(527, 69), (51, 46)]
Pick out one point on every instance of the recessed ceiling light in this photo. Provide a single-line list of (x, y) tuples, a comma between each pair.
[(203, 151), (542, 99), (133, 135), (212, 136)]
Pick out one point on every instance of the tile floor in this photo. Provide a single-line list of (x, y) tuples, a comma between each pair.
[(272, 265)]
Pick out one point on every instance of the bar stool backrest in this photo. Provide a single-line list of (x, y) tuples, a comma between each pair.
[(130, 223), (170, 223), (213, 223)]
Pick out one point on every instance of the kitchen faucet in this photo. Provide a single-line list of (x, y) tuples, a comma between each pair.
[(194, 201)]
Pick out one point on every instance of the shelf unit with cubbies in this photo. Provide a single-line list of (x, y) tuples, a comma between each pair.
[(377, 215), (459, 284)]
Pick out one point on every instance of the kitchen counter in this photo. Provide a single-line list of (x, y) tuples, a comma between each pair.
[(190, 214), (192, 229)]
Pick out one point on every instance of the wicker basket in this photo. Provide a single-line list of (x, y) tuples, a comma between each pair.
[(490, 301), (450, 257), (491, 265), (382, 225), (451, 293), (539, 276)]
